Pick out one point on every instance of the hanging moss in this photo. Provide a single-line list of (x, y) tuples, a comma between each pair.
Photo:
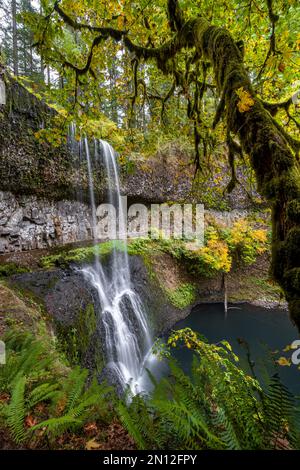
[(292, 280), (292, 247), (293, 211), (282, 187)]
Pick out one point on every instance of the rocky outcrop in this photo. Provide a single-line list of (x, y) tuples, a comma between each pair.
[(27, 222), (28, 166), (65, 293), (165, 177)]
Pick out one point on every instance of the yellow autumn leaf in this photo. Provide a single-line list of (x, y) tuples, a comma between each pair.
[(227, 345), (283, 361), (92, 444), (246, 101)]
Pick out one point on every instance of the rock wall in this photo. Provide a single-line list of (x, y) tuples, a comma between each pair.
[(27, 222), (28, 166)]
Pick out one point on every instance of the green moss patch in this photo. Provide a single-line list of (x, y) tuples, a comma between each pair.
[(81, 255), (182, 296), (9, 269), (75, 340)]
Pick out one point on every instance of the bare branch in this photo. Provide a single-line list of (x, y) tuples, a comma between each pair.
[(272, 49), (175, 15)]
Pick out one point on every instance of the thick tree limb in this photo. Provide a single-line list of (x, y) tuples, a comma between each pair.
[(273, 108)]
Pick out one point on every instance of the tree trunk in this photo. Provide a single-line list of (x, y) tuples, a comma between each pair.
[(224, 283), (225, 294), (42, 68), (15, 39)]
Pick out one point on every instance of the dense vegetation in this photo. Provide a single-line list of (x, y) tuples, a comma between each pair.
[(46, 404)]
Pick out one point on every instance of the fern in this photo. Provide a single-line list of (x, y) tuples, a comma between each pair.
[(227, 432), (74, 386), (280, 415), (43, 392), (58, 425), (25, 357), (132, 424), (81, 403), (29, 380), (218, 407), (15, 411)]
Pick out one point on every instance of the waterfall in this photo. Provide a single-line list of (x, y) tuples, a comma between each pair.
[(126, 328)]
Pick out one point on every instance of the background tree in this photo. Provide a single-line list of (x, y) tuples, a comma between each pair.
[(14, 37), (17, 40)]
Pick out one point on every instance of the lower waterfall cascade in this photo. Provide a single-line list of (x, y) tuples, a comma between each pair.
[(128, 341)]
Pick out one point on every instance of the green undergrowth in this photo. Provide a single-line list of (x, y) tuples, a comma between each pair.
[(182, 296), (42, 403), (80, 255), (223, 247), (218, 405), (9, 269)]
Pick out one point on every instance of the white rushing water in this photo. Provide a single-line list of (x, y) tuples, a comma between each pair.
[(128, 339)]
